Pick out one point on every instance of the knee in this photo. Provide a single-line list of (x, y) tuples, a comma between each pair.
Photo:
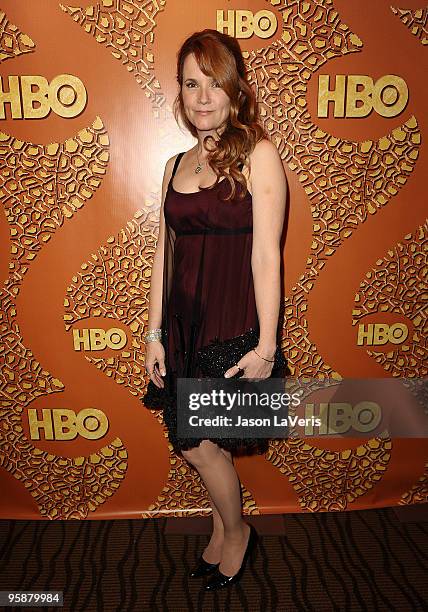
[(201, 455), (192, 455)]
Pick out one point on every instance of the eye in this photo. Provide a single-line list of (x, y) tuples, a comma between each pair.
[(215, 84)]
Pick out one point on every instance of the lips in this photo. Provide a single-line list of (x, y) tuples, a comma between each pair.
[(204, 112)]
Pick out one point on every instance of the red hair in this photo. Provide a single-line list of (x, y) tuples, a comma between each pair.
[(219, 56)]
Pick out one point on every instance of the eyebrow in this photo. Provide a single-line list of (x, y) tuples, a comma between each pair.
[(193, 79)]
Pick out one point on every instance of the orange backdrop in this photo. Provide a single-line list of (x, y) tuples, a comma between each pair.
[(86, 129)]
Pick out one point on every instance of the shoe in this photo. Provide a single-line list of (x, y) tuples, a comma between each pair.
[(203, 568), (219, 580)]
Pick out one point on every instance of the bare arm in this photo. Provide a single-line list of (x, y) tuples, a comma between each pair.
[(156, 278), (269, 191)]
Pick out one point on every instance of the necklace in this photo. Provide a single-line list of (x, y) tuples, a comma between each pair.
[(198, 167)]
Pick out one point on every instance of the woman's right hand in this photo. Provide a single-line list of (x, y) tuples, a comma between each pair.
[(155, 362)]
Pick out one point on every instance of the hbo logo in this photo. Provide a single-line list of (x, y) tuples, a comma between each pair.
[(65, 95), (98, 339), (340, 417), (356, 95), (63, 424), (381, 333), (243, 24)]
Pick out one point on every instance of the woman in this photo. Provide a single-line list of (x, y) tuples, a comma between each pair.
[(216, 269)]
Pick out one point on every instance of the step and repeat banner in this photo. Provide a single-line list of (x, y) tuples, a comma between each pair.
[(86, 127)]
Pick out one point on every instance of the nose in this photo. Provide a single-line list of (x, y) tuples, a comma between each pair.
[(203, 97)]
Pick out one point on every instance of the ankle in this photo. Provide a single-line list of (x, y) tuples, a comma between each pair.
[(238, 534), (217, 537)]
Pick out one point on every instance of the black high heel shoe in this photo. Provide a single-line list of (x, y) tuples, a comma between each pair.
[(203, 568), (219, 580)]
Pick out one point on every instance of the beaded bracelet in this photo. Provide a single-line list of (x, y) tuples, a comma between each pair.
[(270, 360), (152, 335)]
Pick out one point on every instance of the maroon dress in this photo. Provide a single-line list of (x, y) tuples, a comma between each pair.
[(208, 292)]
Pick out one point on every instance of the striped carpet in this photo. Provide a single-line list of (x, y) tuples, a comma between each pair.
[(359, 560)]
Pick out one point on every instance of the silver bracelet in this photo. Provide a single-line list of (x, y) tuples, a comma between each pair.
[(152, 335)]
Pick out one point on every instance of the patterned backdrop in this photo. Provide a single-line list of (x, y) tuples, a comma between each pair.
[(86, 129)]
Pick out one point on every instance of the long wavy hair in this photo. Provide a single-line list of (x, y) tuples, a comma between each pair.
[(219, 56)]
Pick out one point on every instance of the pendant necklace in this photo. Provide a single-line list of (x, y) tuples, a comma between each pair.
[(198, 167)]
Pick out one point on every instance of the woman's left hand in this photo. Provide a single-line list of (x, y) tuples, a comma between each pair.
[(253, 366)]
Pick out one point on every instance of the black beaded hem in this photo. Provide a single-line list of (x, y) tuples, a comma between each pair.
[(157, 398)]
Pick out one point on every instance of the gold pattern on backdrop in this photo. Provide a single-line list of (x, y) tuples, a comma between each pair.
[(417, 494), (351, 182), (395, 285), (63, 178), (12, 41), (114, 284), (326, 480), (126, 28), (416, 20)]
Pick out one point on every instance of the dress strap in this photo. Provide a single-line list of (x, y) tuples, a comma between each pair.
[(177, 161)]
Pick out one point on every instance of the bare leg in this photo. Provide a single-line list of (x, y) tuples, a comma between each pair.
[(222, 483)]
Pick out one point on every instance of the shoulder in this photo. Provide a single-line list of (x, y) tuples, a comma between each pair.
[(260, 158), (267, 170), (264, 151), (265, 160)]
